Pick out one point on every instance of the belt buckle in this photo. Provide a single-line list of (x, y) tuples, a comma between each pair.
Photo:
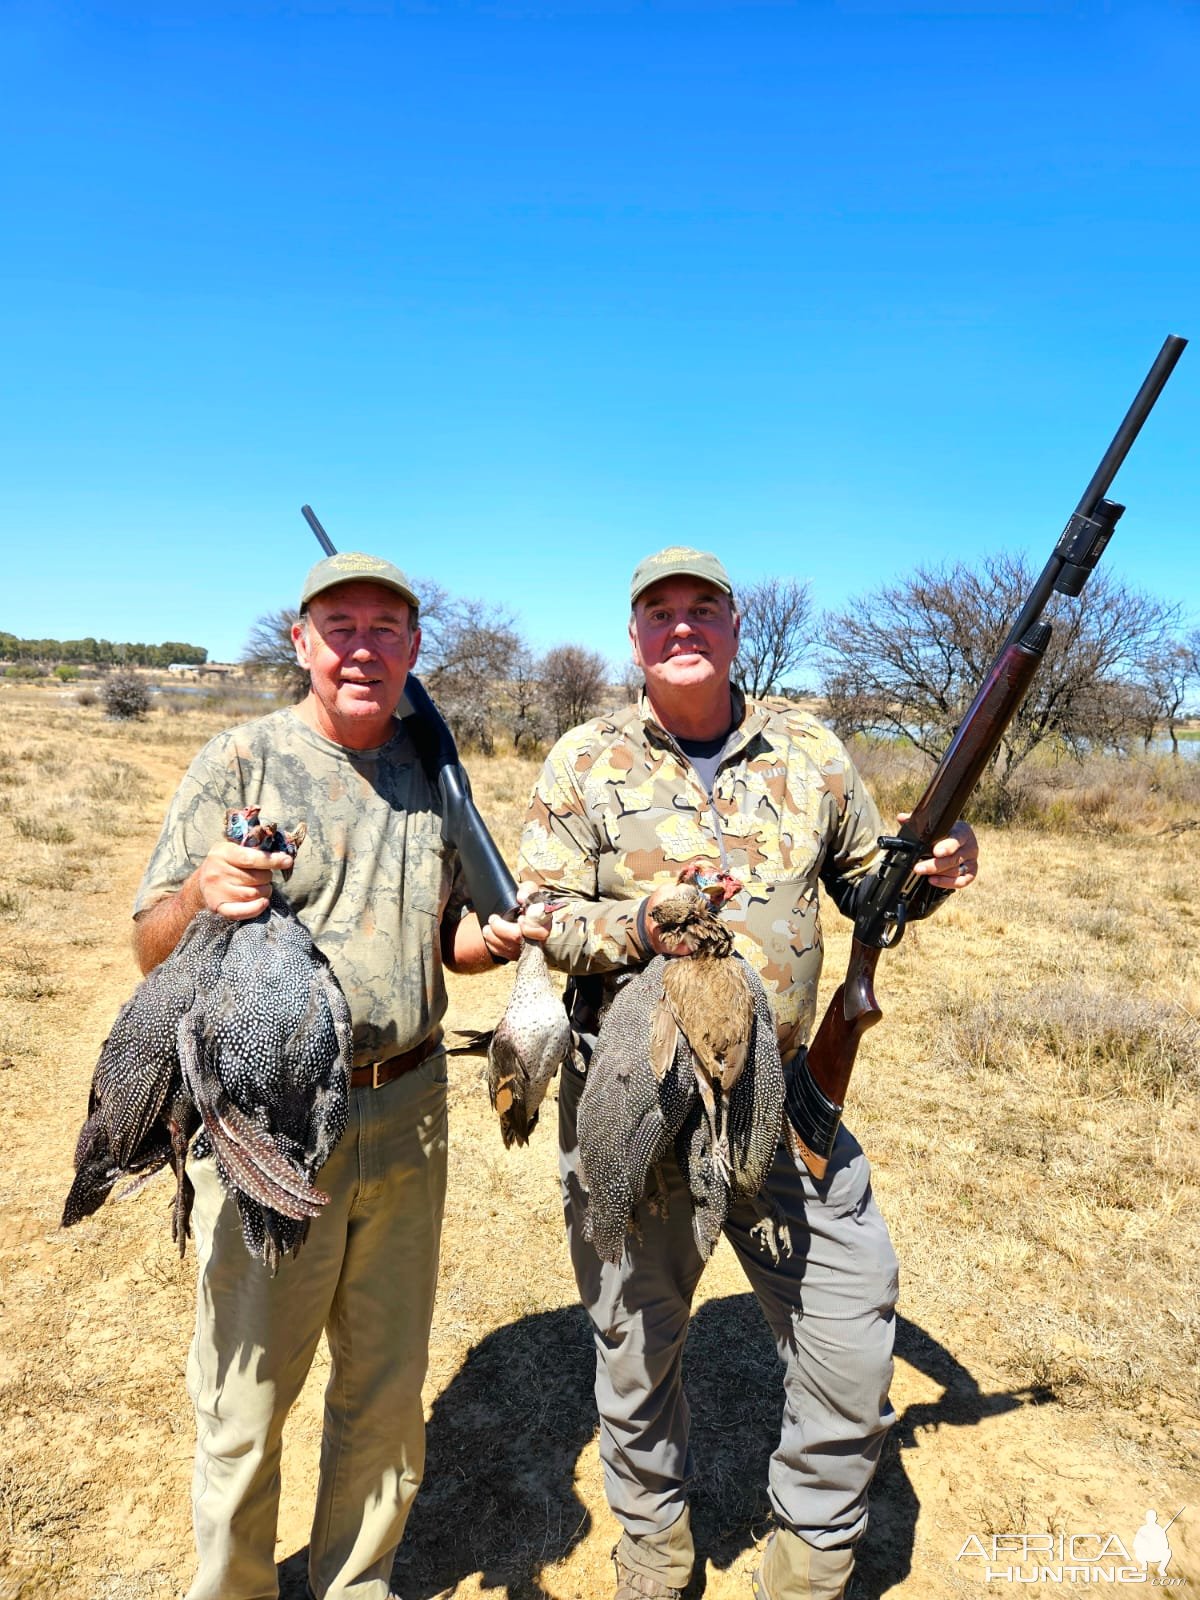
[(376, 1080)]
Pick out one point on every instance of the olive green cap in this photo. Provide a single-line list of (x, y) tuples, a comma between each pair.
[(678, 561), (352, 566)]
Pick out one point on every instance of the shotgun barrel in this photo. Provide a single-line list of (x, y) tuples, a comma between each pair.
[(489, 880)]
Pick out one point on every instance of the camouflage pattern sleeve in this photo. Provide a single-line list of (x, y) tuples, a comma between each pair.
[(854, 847), (561, 848), (619, 810), (194, 822)]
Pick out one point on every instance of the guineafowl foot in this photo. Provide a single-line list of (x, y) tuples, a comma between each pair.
[(658, 1202), (181, 1212), (772, 1231), (721, 1163)]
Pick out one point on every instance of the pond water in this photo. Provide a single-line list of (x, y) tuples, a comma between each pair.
[(211, 688), (1187, 747)]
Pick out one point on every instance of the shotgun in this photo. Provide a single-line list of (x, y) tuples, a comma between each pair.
[(819, 1078), (489, 880)]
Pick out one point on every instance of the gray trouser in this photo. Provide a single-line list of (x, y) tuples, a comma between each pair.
[(829, 1305), (366, 1276)]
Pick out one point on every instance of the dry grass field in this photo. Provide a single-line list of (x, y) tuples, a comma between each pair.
[(1030, 1105)]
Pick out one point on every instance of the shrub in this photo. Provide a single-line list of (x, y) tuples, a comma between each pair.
[(116, 783), (44, 830), (1104, 1042), (125, 696)]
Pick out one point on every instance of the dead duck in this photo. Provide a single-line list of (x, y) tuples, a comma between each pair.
[(241, 1041), (530, 1042)]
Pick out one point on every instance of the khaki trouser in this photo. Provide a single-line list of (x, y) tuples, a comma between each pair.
[(366, 1277), (830, 1306)]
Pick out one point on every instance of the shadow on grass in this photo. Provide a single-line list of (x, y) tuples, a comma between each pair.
[(505, 1436)]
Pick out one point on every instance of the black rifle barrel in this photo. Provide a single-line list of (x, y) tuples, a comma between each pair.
[(881, 919), (488, 878), (817, 1085), (1143, 403), (323, 539)]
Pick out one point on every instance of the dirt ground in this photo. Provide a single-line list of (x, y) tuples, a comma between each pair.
[(1047, 1339)]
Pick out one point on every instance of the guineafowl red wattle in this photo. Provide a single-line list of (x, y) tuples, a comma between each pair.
[(242, 1036)]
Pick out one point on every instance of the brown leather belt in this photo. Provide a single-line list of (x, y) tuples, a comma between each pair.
[(373, 1074)]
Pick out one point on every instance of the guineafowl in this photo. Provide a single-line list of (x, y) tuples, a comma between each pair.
[(686, 1058), (242, 1036)]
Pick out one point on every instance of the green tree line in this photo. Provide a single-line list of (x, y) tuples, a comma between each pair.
[(98, 652)]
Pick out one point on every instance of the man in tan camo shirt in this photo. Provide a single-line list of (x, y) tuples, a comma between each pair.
[(696, 773), (386, 902)]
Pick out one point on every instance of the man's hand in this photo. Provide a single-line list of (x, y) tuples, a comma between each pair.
[(475, 948), (677, 944), (236, 882), (954, 862), (503, 939), (231, 880)]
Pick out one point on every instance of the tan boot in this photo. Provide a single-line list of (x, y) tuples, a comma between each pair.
[(633, 1585), (794, 1570), (655, 1566)]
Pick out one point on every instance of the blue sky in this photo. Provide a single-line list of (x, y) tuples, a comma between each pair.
[(518, 293)]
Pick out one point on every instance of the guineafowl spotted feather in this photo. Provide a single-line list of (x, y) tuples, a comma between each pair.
[(630, 1117), (243, 1036)]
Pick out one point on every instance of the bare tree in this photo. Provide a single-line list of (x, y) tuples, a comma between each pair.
[(629, 682), (776, 633), (907, 659), (573, 681), (526, 710), (1168, 676), (438, 612), (270, 653), (472, 650)]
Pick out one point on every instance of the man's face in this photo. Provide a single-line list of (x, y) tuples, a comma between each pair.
[(359, 647), (684, 634)]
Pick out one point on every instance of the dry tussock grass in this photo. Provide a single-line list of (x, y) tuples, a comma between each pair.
[(1051, 1183), (1107, 795), (1029, 1103)]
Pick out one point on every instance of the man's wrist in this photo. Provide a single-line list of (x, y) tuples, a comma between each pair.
[(191, 896), (641, 931)]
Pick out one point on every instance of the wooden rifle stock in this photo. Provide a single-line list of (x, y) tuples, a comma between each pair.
[(818, 1080)]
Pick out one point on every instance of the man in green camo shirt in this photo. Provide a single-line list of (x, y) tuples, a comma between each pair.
[(697, 773), (385, 900)]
